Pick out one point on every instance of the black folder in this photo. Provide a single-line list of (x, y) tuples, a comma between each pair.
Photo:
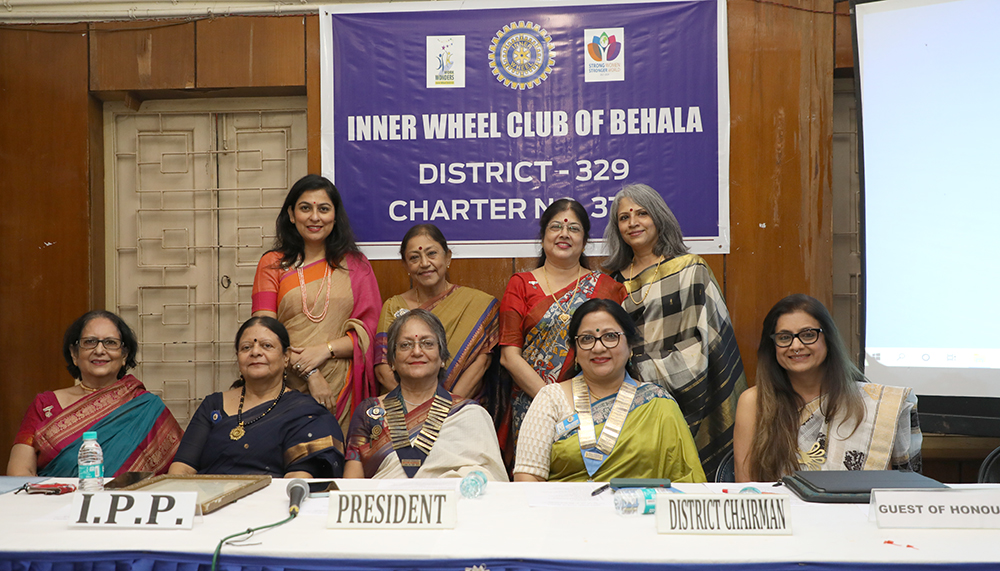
[(852, 486)]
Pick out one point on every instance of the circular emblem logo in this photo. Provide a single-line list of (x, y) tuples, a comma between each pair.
[(376, 431), (376, 412), (521, 55)]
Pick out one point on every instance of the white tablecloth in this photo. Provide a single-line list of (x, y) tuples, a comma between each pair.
[(502, 525)]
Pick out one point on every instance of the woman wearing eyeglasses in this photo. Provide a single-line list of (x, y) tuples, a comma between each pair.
[(603, 423), (419, 429), (690, 345), (812, 409), (536, 308), (136, 431)]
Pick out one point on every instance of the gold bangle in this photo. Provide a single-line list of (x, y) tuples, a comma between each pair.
[(329, 345)]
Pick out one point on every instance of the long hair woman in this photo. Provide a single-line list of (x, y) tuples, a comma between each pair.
[(690, 345), (318, 284), (812, 409)]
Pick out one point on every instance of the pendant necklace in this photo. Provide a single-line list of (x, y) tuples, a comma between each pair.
[(239, 431), (564, 316)]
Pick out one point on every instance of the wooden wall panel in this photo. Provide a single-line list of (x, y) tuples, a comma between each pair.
[(313, 102), (844, 38), (142, 55), (781, 85), (251, 51), (44, 228)]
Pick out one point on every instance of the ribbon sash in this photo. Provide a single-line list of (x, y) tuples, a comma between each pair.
[(595, 451)]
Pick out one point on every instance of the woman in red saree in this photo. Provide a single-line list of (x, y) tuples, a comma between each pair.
[(135, 429), (536, 310)]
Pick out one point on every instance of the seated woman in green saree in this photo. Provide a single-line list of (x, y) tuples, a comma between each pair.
[(603, 424), (136, 431)]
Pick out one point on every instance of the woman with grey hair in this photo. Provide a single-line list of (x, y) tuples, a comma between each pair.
[(690, 346), (419, 429)]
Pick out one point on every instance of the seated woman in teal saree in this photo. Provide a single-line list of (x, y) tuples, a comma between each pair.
[(603, 424), (136, 431)]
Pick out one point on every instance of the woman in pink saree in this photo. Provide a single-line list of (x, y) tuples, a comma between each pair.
[(319, 285)]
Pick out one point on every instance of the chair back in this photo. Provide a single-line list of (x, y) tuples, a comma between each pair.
[(989, 470), (726, 472)]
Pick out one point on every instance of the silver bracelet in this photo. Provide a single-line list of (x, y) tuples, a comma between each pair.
[(310, 373)]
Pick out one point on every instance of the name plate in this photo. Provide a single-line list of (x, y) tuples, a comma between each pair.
[(396, 509), (937, 509), (137, 510), (723, 514)]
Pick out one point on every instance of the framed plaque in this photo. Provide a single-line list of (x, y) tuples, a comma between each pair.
[(214, 491)]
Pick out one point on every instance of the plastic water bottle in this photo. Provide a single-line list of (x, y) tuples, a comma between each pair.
[(91, 463), (635, 501), (473, 485)]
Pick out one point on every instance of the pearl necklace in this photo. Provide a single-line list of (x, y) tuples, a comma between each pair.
[(328, 278)]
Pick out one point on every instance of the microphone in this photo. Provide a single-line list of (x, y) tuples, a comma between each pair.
[(297, 490)]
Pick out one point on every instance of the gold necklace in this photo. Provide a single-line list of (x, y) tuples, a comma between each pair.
[(631, 270), (87, 389), (563, 311), (239, 431)]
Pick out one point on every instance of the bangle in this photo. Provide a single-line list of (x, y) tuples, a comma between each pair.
[(329, 345), (310, 373)]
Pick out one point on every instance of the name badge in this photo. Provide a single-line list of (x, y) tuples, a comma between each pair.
[(723, 514), (393, 510), (937, 509), (137, 510)]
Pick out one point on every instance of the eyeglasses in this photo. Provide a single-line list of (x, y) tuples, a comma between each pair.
[(425, 345), (572, 228), (806, 336), (110, 344), (610, 340)]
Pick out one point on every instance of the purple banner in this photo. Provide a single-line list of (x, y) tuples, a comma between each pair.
[(476, 119)]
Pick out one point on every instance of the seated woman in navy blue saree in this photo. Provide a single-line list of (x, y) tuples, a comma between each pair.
[(260, 426)]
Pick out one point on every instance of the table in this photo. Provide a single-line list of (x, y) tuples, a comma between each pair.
[(497, 531)]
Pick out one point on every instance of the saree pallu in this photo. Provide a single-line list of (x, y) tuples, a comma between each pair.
[(888, 437), (470, 320), (353, 311), (689, 348), (467, 441), (530, 319), (298, 434), (654, 441), (136, 431)]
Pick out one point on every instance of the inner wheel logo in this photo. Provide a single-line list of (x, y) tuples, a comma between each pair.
[(521, 55)]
